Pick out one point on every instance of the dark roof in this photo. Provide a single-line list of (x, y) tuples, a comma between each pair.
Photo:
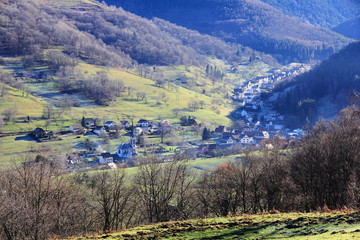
[(125, 146), (106, 155), (191, 121), (254, 133), (109, 122), (39, 130), (143, 121), (227, 134), (220, 129)]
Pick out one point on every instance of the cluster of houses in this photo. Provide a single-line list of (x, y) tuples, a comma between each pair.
[(250, 90), (258, 115), (143, 126), (250, 135), (126, 151)]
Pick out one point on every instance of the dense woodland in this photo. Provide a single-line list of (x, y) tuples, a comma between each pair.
[(350, 28), (28, 27), (322, 172), (329, 86), (326, 13), (250, 23), (107, 36)]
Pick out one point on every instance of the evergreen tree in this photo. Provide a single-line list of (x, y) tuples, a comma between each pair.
[(206, 134), (83, 122)]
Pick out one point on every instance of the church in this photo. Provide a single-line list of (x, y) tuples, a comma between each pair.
[(128, 150)]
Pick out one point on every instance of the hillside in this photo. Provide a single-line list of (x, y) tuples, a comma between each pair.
[(251, 23), (350, 28), (325, 13), (101, 35), (336, 225), (323, 91)]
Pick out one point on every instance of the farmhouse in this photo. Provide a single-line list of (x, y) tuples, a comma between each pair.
[(143, 123), (76, 128), (109, 125), (88, 122), (124, 124), (99, 130), (220, 129), (191, 122), (40, 133), (245, 139), (106, 158)]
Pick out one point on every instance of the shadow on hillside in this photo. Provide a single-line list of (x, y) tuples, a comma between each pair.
[(24, 138)]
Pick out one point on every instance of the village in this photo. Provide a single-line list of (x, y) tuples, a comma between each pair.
[(256, 127)]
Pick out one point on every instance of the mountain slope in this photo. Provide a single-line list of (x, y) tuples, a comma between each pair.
[(326, 13), (323, 91), (98, 34), (349, 28), (248, 22)]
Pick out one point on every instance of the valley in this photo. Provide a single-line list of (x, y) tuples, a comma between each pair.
[(179, 119)]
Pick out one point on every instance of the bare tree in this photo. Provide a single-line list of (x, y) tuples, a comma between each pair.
[(325, 168), (10, 114), (130, 91), (48, 111), (157, 187), (37, 202), (112, 199)]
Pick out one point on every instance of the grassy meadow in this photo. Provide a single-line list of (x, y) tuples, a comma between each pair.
[(315, 225)]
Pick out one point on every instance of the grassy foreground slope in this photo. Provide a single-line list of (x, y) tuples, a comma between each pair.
[(334, 225)]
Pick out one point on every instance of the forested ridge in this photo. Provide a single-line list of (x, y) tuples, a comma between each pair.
[(326, 13), (251, 23), (350, 28), (105, 35), (329, 86)]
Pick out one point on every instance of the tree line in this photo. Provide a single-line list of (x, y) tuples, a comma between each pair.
[(39, 201)]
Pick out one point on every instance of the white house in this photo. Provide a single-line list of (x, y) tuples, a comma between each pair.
[(227, 140), (245, 139), (106, 158), (99, 131), (109, 124), (76, 128)]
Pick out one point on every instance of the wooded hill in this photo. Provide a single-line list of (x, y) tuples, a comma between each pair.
[(252, 23), (324, 90), (105, 35), (349, 28), (325, 13)]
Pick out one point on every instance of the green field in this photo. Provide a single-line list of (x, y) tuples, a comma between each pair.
[(334, 225)]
